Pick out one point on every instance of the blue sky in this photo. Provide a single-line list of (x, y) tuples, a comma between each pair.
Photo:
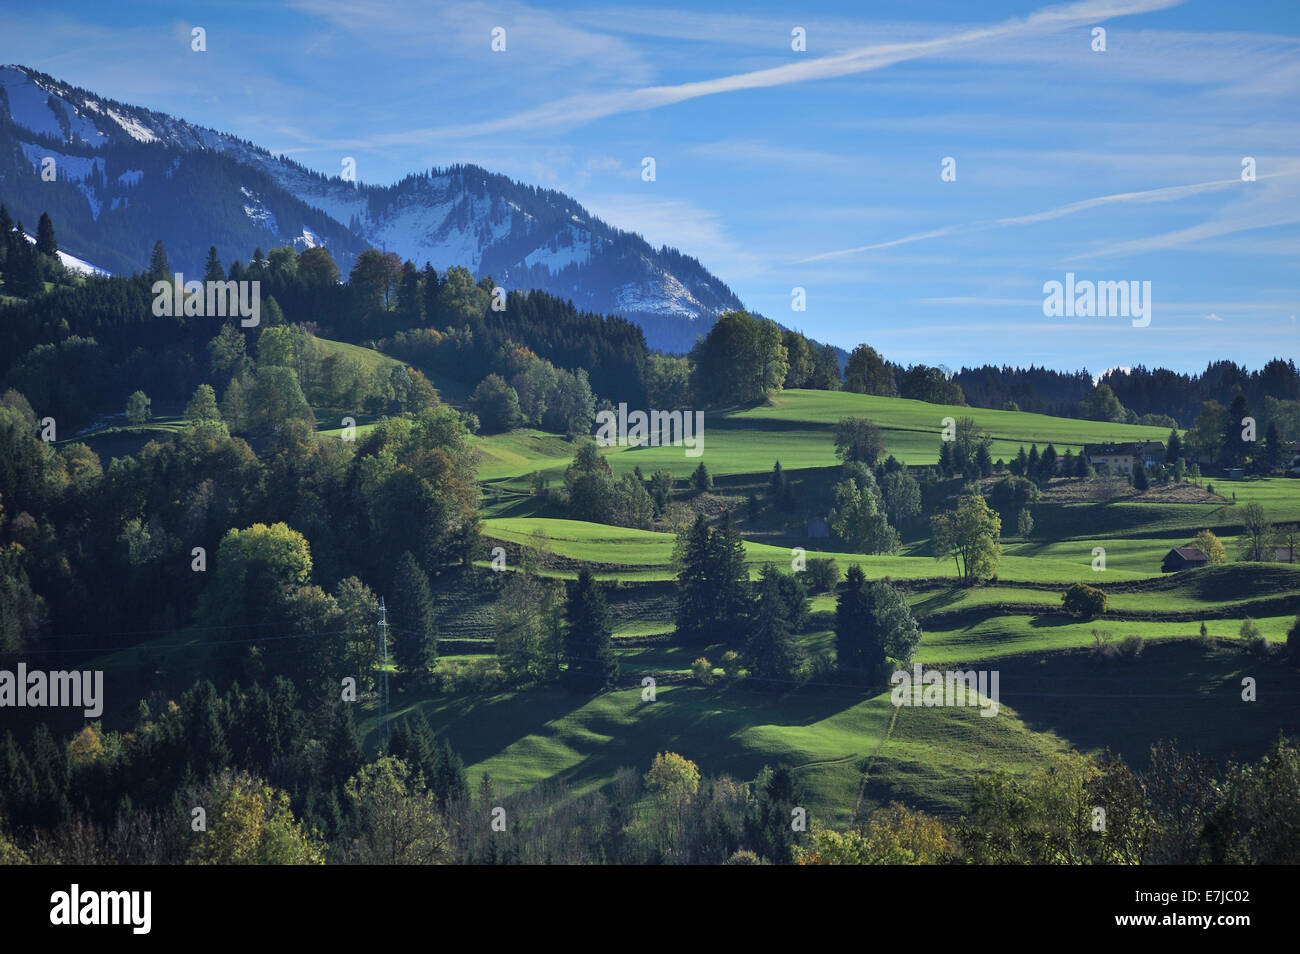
[(818, 169)]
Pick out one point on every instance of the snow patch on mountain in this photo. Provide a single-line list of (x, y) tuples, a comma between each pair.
[(136, 130), (29, 104), (72, 262), (257, 211), (72, 168), (558, 255)]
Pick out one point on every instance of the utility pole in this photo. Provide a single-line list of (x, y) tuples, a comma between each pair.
[(383, 675)]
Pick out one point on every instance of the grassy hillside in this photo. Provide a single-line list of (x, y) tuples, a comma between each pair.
[(1056, 694), (795, 428), (1048, 702)]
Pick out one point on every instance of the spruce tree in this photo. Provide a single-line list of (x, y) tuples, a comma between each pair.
[(1082, 466), (1274, 451), (694, 583), (159, 269), (1173, 447), (449, 782), (857, 643), (769, 653), (429, 287), (45, 242), (793, 593), (212, 271), (343, 751), (731, 591), (945, 459), (1140, 481), (415, 645), (701, 479), (1047, 463), (22, 270), (588, 643)]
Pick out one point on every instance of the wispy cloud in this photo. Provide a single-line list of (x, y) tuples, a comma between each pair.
[(587, 107), (1262, 215), (1164, 194)]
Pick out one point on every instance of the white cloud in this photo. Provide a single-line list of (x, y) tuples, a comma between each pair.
[(586, 107), (1165, 194)]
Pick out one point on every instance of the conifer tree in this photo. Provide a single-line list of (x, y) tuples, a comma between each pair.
[(415, 645), (22, 270), (1140, 481), (1274, 450), (945, 458), (769, 653), (694, 582), (159, 269), (1173, 447), (343, 751), (45, 242), (1082, 466), (212, 271), (730, 596), (429, 288), (588, 638), (857, 643), (701, 479), (1047, 464), (449, 782)]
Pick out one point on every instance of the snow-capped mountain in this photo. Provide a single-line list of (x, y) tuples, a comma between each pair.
[(125, 176)]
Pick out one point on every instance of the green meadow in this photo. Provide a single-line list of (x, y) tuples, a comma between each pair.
[(1057, 694)]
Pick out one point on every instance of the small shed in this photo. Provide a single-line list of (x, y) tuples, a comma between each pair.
[(1183, 558), (817, 528)]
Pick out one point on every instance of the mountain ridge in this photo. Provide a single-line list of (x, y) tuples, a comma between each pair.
[(127, 175)]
